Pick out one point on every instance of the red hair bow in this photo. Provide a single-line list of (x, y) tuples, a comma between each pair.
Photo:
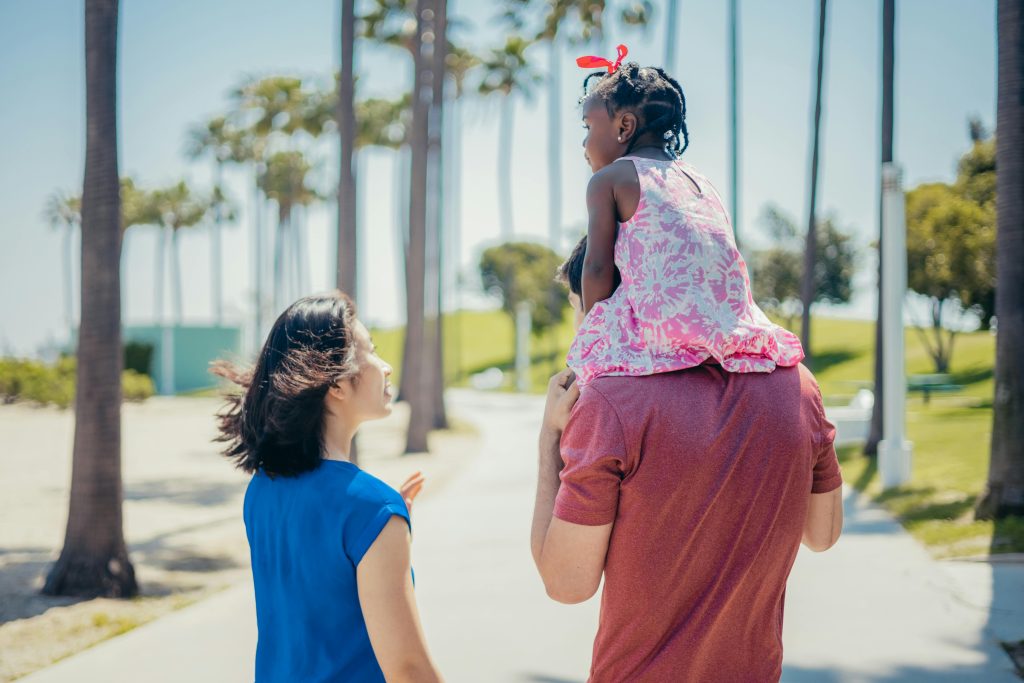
[(591, 62)]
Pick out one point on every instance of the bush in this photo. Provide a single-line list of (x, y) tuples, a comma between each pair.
[(136, 386), (138, 356), (42, 384)]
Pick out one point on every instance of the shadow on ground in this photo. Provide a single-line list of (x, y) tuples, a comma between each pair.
[(902, 674), (22, 571), (184, 491)]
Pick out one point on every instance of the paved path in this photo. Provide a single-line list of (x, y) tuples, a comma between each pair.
[(874, 608)]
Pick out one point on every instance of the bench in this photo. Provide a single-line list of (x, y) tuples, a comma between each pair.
[(926, 384)]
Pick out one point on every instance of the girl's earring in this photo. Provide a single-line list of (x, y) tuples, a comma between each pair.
[(620, 138)]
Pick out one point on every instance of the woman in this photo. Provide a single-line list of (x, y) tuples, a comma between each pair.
[(329, 543)]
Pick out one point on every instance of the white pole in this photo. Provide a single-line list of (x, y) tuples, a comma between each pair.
[(523, 346), (894, 451)]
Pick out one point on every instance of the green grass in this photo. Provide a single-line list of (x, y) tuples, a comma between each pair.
[(951, 435)]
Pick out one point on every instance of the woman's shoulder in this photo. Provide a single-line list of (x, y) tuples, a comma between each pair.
[(361, 487)]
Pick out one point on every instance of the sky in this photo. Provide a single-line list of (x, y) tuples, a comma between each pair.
[(178, 62)]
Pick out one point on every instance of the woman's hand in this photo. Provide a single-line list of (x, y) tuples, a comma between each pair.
[(411, 488)]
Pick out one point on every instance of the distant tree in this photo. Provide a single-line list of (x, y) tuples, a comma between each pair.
[(524, 271), (951, 248), (64, 213), (776, 272)]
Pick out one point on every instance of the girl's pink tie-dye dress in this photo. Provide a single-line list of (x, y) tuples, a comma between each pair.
[(685, 295)]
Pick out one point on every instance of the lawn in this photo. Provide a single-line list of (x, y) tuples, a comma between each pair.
[(951, 435)]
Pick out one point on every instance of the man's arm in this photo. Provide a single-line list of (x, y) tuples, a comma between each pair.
[(824, 520), (569, 557)]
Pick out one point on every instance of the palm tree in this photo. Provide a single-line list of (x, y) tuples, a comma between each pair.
[(177, 209), (94, 560), (1004, 492), (551, 32), (434, 299), (459, 63), (811, 248), (348, 235), (217, 138), (274, 107), (414, 375), (64, 212), (507, 71), (888, 70), (403, 24), (285, 181), (671, 24), (734, 142)]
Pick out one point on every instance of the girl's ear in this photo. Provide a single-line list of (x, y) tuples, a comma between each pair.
[(627, 126)]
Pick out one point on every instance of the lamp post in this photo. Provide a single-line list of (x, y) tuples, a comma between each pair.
[(894, 451)]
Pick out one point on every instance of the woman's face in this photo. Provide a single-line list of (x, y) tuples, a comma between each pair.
[(370, 393)]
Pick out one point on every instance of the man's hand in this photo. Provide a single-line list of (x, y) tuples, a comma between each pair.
[(563, 393)]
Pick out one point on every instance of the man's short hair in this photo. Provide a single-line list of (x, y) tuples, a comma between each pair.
[(571, 272)]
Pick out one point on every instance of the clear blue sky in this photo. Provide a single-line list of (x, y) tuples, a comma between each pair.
[(178, 61)]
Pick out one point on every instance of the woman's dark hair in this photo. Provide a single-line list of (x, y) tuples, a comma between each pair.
[(276, 423), (650, 93)]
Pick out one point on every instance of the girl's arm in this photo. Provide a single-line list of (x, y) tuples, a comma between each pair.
[(384, 578), (599, 262)]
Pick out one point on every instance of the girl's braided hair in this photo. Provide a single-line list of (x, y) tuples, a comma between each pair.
[(655, 97)]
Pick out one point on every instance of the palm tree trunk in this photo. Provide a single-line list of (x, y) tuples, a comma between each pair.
[(888, 70), (671, 26), (415, 388), (94, 560), (554, 144), (505, 168), (435, 343), (257, 266), (454, 223), (295, 225), (807, 285), (176, 274), (159, 275), (279, 245), (734, 143), (403, 169), (216, 253), (1004, 492), (69, 306), (347, 277)]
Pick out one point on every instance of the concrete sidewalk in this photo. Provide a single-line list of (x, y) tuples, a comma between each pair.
[(874, 608)]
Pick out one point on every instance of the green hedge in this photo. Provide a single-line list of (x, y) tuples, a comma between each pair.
[(42, 384)]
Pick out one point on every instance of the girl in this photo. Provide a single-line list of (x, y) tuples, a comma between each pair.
[(329, 543), (685, 296)]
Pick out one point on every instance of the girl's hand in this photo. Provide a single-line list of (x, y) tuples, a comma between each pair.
[(411, 488)]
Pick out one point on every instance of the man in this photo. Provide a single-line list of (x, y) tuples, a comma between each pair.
[(690, 492)]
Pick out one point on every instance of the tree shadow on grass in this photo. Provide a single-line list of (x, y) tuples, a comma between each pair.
[(972, 375), (824, 360)]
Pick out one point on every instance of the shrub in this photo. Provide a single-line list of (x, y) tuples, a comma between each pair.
[(42, 384)]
